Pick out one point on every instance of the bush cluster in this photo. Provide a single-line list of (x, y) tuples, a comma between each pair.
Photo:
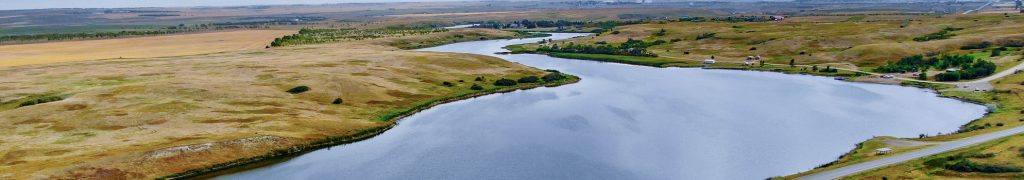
[(505, 82), (961, 163), (41, 100), (981, 45), (629, 48), (555, 76), (945, 33), (298, 89), (528, 79)]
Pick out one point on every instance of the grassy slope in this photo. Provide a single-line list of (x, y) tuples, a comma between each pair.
[(146, 118), (1008, 113), (841, 43), (1007, 152)]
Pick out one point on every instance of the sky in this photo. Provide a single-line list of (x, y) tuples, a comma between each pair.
[(45, 4)]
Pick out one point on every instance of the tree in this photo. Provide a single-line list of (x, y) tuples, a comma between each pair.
[(338, 101), (505, 82), (762, 63), (298, 89), (923, 76), (996, 52), (661, 33), (792, 62), (476, 87), (529, 79), (553, 77), (814, 68)]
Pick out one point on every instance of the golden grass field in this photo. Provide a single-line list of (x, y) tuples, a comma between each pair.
[(838, 40), (150, 117), (1007, 151), (142, 47)]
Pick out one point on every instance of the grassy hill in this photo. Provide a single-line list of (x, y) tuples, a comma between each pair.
[(151, 117), (855, 42)]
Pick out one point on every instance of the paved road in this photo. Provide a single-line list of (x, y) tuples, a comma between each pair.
[(982, 7), (940, 148)]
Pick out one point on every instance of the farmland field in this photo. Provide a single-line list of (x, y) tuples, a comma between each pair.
[(132, 48)]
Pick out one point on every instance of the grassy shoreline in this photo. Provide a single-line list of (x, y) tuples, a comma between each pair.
[(648, 61), (393, 121)]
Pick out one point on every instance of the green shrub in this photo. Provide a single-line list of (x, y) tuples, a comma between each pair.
[(505, 82), (553, 77), (981, 45), (299, 89), (41, 100), (529, 79), (338, 101), (968, 166), (449, 84), (945, 33), (476, 87), (705, 36), (481, 78)]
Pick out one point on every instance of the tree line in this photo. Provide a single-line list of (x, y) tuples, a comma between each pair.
[(631, 47), (969, 67), (316, 36), (945, 33), (560, 24), (728, 19)]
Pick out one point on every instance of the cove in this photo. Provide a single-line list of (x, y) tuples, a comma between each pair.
[(634, 122)]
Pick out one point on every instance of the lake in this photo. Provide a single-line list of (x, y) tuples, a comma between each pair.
[(634, 122)]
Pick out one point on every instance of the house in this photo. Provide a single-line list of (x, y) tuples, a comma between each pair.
[(881, 151), (778, 18), (709, 61)]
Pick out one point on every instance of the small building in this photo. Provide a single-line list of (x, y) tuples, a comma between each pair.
[(952, 70), (709, 61), (881, 151), (778, 18)]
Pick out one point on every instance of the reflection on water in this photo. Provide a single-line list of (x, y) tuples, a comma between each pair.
[(633, 122)]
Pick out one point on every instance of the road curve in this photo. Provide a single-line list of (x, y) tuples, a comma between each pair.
[(896, 159)]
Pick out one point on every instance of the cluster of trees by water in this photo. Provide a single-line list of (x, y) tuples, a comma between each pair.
[(550, 77), (560, 24), (968, 66), (631, 47), (316, 36), (945, 33)]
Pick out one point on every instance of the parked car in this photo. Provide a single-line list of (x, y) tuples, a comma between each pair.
[(888, 76)]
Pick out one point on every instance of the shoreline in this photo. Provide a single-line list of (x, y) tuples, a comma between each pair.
[(934, 89), (295, 151)]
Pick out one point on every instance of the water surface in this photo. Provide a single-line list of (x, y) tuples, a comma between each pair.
[(634, 122)]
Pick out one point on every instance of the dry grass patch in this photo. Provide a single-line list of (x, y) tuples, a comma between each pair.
[(118, 114)]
